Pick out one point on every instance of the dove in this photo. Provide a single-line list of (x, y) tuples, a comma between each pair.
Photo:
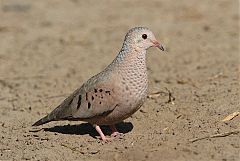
[(114, 94)]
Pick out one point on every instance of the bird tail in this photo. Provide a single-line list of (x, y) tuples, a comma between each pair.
[(43, 120), (59, 113), (55, 115)]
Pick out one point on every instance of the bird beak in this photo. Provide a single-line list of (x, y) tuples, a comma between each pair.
[(157, 44)]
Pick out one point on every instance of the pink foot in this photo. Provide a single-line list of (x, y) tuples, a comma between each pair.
[(114, 134), (103, 137), (114, 131)]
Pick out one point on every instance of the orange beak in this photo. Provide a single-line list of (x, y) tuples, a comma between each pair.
[(157, 44)]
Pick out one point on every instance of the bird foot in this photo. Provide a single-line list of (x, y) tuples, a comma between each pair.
[(116, 133), (102, 136)]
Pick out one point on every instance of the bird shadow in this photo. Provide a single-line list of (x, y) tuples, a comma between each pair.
[(87, 129)]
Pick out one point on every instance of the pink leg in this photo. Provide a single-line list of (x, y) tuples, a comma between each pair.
[(103, 137), (114, 131)]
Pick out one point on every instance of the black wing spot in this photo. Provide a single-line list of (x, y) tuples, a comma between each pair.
[(100, 103), (70, 102), (108, 92), (100, 90), (89, 105), (86, 96), (92, 98), (79, 101), (95, 90)]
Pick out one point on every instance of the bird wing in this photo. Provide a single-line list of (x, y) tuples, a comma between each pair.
[(95, 101), (95, 98)]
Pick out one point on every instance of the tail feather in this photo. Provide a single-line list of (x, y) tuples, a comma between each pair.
[(59, 113), (55, 115), (42, 121)]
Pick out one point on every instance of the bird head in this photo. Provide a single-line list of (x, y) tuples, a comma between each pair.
[(142, 38)]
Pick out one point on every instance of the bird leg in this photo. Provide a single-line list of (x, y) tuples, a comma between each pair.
[(114, 131), (103, 137)]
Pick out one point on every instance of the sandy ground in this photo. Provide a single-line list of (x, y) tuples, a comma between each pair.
[(49, 48)]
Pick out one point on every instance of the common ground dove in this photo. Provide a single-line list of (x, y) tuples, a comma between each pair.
[(115, 93)]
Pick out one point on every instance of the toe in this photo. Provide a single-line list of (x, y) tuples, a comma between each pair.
[(114, 134)]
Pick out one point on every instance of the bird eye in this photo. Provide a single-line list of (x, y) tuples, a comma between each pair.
[(144, 36)]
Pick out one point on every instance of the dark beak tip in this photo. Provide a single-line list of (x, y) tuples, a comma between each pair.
[(161, 47)]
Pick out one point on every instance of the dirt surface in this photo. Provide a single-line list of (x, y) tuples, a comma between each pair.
[(49, 48)]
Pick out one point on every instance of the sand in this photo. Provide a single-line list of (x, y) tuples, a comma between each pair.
[(49, 48)]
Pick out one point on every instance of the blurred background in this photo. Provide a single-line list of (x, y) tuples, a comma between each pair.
[(49, 48)]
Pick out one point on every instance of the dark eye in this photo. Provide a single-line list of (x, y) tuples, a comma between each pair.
[(144, 36)]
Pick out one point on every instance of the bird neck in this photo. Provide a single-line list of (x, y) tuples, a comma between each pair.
[(129, 51), (132, 61)]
